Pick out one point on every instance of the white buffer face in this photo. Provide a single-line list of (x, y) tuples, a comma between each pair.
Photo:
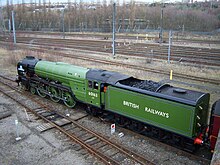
[(20, 68)]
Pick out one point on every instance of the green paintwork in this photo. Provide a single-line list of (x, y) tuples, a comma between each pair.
[(69, 75), (92, 94), (169, 115), (173, 116)]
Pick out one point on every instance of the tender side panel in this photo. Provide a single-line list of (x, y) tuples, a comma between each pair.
[(68, 75), (169, 115)]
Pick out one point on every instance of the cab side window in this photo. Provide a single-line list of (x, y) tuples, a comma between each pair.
[(93, 85), (96, 85), (90, 84)]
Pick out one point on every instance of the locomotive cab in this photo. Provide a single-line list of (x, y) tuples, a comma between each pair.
[(98, 81), (93, 92)]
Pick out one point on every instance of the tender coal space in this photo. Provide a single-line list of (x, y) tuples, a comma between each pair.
[(141, 84)]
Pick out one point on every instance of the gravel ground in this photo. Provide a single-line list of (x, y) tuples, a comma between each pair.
[(34, 148), (141, 145)]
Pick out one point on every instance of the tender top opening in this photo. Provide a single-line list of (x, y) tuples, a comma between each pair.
[(141, 84)]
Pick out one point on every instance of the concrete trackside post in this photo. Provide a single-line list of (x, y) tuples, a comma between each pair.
[(27, 116), (112, 129), (17, 131)]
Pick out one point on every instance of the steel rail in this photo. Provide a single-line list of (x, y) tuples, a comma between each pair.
[(120, 36), (83, 57), (106, 159), (178, 75), (160, 52), (135, 45), (195, 59), (127, 152), (99, 155), (211, 60)]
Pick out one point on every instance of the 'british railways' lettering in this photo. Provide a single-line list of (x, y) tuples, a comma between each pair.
[(149, 110), (129, 104), (156, 112)]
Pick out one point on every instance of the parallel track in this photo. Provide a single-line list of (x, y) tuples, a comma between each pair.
[(61, 53), (201, 56), (119, 36), (99, 146)]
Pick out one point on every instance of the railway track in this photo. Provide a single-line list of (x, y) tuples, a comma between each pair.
[(61, 53), (99, 146), (176, 38), (201, 56), (87, 138)]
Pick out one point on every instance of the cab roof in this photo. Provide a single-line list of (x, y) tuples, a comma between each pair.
[(104, 76)]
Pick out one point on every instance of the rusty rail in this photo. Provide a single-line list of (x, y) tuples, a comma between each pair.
[(47, 115)]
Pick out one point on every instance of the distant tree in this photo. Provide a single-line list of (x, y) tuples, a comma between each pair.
[(80, 16)]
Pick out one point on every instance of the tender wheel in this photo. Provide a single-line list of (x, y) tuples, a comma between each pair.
[(121, 121), (32, 90), (68, 100), (55, 94), (41, 91), (88, 110), (137, 127), (91, 111)]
